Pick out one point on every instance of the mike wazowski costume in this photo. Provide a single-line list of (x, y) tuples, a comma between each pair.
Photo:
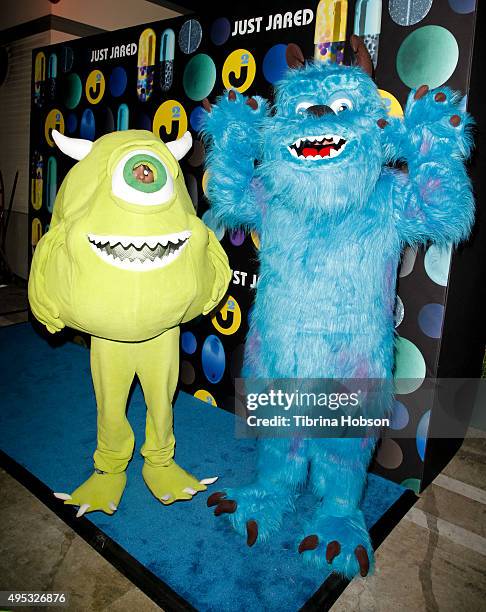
[(311, 178), (127, 260)]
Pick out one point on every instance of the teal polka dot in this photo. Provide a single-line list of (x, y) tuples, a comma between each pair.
[(412, 483), (72, 90), (428, 56), (409, 367), (199, 77), (437, 262)]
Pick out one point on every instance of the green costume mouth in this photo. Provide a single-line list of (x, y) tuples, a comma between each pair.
[(139, 253)]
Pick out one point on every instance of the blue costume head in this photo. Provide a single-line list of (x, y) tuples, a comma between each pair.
[(324, 139)]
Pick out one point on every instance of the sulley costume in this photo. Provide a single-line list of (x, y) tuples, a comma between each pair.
[(127, 260), (311, 177)]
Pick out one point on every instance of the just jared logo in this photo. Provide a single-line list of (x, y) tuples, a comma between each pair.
[(107, 53), (279, 21)]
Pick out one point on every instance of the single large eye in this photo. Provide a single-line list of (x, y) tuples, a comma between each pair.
[(302, 107), (341, 104), (142, 178)]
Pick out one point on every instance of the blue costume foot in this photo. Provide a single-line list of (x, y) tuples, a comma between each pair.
[(253, 511), (341, 543)]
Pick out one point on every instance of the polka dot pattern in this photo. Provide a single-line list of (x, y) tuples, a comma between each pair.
[(427, 56), (437, 263), (430, 319)]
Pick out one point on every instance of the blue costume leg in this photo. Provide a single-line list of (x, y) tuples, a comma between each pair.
[(256, 510), (336, 534)]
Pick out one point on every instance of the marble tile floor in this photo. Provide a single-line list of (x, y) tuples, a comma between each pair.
[(433, 561)]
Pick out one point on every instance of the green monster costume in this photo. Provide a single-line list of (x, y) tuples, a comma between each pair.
[(127, 260)]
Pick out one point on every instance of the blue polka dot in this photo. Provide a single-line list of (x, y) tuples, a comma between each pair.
[(87, 129), (400, 416), (462, 6), (422, 431), (196, 118), (274, 63), (430, 319), (118, 81), (71, 123), (213, 359), (188, 342), (220, 31)]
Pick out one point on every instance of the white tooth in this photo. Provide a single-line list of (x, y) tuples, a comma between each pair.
[(152, 242), (126, 241), (333, 153)]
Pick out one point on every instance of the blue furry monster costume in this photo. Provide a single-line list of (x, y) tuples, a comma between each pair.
[(311, 177)]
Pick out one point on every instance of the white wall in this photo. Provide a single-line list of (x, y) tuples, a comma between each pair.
[(111, 14), (106, 14), (15, 12)]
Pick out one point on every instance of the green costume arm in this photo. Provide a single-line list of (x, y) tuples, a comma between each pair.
[(43, 307), (222, 277)]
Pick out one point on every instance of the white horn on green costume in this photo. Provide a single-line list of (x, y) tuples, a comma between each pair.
[(77, 148), (181, 146)]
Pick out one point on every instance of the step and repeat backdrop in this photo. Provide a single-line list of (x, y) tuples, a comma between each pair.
[(154, 77)]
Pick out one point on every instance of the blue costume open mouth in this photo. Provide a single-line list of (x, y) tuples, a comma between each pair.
[(318, 147)]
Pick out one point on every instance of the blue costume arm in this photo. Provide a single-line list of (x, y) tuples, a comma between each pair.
[(434, 200), (232, 132)]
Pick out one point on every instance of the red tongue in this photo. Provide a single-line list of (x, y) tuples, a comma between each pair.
[(323, 151)]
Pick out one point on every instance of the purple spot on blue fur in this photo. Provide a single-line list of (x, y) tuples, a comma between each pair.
[(428, 189), (260, 194), (296, 445), (362, 369)]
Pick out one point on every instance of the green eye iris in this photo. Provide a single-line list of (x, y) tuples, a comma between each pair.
[(149, 164)]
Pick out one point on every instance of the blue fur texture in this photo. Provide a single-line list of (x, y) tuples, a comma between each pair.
[(331, 233)]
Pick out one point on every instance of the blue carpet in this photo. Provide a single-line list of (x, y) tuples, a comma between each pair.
[(48, 425)]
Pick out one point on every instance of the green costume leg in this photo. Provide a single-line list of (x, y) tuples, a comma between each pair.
[(113, 370), (158, 371)]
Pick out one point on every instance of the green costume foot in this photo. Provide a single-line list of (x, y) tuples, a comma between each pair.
[(171, 483), (100, 492)]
